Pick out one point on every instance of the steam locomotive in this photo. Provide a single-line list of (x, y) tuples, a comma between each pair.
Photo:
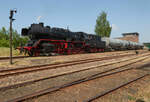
[(45, 40)]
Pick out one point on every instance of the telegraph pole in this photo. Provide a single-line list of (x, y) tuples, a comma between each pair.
[(10, 42)]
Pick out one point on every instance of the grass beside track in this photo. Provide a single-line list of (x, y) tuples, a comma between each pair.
[(4, 51)]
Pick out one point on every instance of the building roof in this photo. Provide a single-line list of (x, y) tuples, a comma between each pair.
[(134, 33)]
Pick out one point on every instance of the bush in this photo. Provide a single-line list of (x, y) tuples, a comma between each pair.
[(17, 39)]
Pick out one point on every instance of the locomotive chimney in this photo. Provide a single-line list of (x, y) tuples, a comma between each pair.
[(41, 24)]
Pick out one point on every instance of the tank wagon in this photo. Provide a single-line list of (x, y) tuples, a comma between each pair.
[(45, 40), (117, 44)]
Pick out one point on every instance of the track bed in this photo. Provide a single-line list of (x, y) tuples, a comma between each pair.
[(20, 85)]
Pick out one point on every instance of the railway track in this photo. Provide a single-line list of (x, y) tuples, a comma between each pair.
[(18, 57), (88, 78), (54, 76), (15, 71), (114, 89)]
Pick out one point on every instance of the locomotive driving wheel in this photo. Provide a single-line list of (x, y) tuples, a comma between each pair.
[(31, 52)]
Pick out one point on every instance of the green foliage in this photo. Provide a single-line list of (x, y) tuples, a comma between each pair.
[(102, 27), (4, 43), (131, 98), (17, 39)]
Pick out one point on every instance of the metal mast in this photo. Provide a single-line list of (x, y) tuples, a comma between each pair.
[(10, 43)]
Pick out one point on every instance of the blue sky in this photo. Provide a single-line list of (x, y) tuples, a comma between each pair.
[(80, 15)]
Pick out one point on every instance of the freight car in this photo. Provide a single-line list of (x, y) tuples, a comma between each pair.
[(45, 40), (117, 44)]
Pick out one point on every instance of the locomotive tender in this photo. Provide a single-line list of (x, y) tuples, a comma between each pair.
[(45, 40)]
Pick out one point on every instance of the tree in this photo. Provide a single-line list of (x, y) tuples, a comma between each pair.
[(17, 39), (3, 33), (102, 27)]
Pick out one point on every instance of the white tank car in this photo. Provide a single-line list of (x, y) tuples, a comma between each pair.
[(117, 44)]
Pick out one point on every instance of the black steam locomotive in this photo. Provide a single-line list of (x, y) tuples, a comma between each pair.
[(45, 40)]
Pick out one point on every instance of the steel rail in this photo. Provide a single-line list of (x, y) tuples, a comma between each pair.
[(9, 72), (4, 70), (16, 57), (114, 89), (54, 76), (56, 88)]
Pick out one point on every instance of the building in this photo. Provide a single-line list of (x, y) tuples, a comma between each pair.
[(134, 37)]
